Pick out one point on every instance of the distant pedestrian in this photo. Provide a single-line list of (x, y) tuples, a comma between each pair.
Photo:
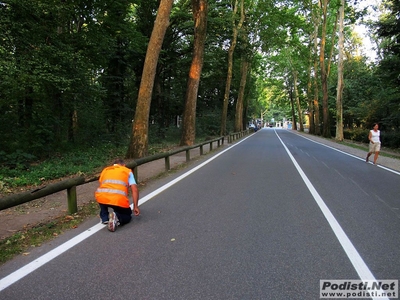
[(113, 193), (374, 142)]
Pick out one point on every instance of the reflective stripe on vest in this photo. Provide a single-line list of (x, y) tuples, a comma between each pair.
[(111, 191), (115, 181)]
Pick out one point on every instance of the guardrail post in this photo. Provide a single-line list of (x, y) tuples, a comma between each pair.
[(167, 163), (72, 201), (188, 155), (201, 150), (211, 146)]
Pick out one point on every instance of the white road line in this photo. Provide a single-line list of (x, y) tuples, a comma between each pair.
[(37, 263), (340, 174), (357, 185), (42, 260), (325, 164), (392, 209), (352, 253)]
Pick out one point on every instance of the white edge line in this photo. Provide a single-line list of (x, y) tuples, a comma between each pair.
[(42, 260), (37, 263), (352, 253)]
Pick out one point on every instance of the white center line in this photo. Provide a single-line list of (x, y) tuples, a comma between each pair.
[(352, 253)]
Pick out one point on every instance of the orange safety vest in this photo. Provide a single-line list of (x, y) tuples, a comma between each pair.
[(114, 185)]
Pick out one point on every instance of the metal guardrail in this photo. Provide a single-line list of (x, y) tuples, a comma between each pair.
[(71, 183)]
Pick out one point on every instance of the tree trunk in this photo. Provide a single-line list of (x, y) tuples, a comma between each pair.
[(296, 95), (138, 146), (317, 120), (324, 78), (312, 75), (200, 32), (236, 29), (239, 102), (339, 97), (311, 128), (328, 68), (290, 91)]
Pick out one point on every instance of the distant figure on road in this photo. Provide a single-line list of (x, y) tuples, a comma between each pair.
[(113, 193), (374, 142)]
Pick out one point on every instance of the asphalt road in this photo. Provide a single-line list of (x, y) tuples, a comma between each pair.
[(265, 219)]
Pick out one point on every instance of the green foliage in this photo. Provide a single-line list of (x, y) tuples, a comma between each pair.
[(388, 31), (206, 124), (357, 134), (391, 139), (17, 159), (163, 137), (19, 169), (70, 72)]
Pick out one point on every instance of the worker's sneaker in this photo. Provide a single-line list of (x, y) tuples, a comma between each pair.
[(112, 222)]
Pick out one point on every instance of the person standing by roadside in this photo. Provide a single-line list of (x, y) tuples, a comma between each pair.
[(374, 142), (113, 193)]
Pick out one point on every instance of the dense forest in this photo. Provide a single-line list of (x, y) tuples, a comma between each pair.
[(82, 73)]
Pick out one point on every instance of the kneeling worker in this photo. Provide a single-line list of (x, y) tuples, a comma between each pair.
[(113, 192)]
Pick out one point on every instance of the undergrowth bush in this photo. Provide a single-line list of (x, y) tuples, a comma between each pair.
[(18, 171), (389, 139), (22, 169), (356, 135)]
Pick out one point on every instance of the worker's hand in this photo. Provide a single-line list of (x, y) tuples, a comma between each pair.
[(136, 211)]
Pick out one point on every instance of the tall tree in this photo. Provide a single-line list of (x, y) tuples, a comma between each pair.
[(340, 84), (388, 29), (297, 98), (138, 146), (236, 26), (115, 73), (200, 30), (324, 75), (316, 22), (289, 87), (312, 83), (240, 100)]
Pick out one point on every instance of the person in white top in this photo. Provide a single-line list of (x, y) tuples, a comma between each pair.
[(374, 142)]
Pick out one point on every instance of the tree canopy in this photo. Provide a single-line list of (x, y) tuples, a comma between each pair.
[(70, 71)]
